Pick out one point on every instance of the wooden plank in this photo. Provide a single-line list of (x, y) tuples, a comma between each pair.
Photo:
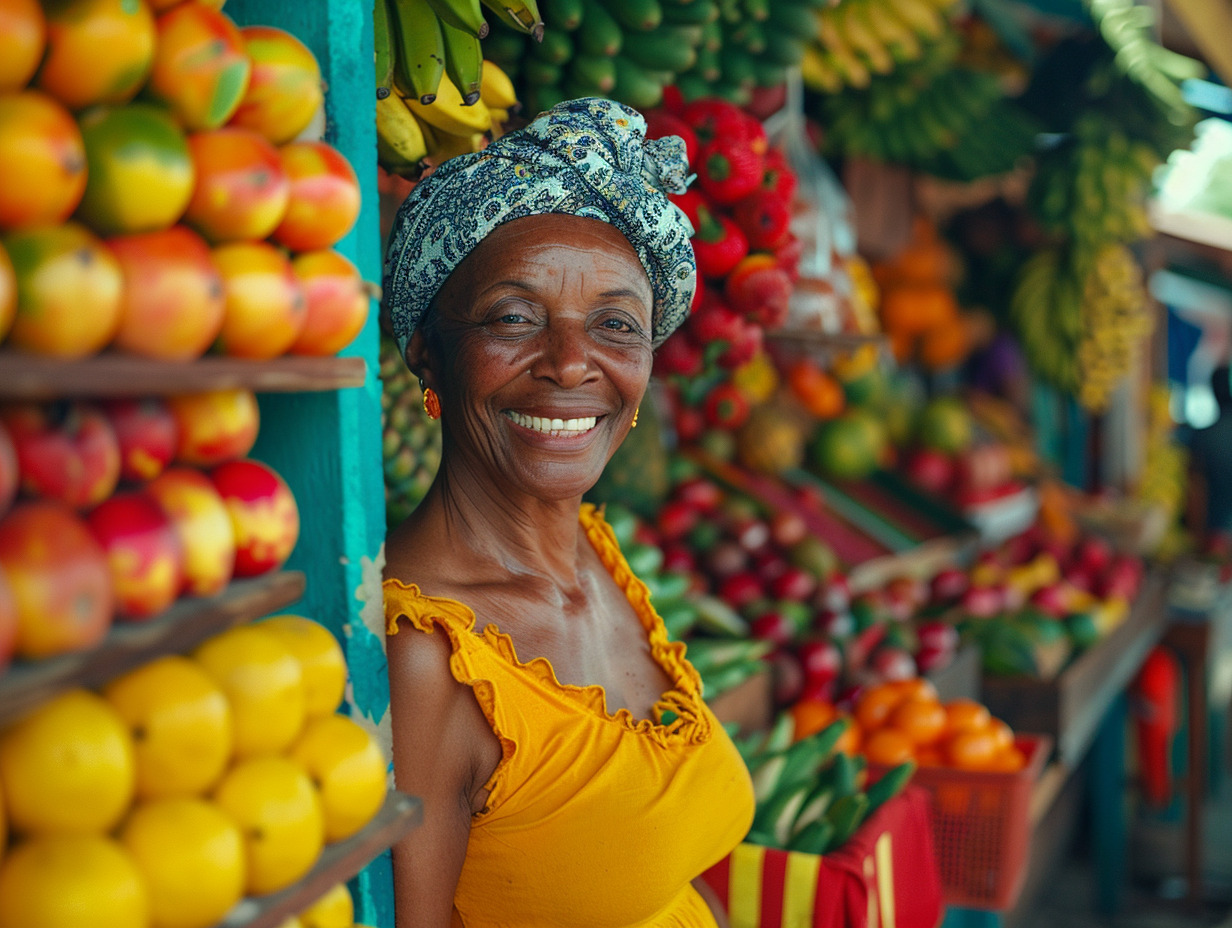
[(338, 863), (29, 377), (186, 624), (924, 560)]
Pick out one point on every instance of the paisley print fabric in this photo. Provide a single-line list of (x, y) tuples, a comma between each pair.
[(584, 157)]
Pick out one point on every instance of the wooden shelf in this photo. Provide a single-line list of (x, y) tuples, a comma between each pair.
[(186, 624), (338, 862), (834, 341), (1201, 228), (29, 377)]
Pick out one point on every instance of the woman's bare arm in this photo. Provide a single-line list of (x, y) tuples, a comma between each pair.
[(441, 743)]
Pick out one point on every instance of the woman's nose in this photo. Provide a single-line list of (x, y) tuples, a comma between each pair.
[(565, 355)]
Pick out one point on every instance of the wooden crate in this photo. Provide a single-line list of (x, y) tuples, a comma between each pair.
[(1070, 705)]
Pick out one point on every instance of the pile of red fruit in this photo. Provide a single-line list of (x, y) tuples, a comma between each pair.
[(112, 510), (747, 256)]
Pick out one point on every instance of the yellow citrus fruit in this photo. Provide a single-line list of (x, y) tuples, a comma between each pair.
[(333, 910), (66, 881), (348, 769), (264, 685), (23, 33), (279, 813), (319, 655), (98, 51), (191, 856), (67, 767), (180, 722)]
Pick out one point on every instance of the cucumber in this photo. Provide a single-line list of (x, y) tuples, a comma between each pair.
[(777, 814), (845, 816), (622, 522), (815, 838), (718, 680), (718, 618), (644, 560), (814, 808), (678, 618), (889, 786), (666, 588)]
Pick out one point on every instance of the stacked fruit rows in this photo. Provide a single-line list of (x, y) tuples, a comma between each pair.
[(187, 784), (158, 197)]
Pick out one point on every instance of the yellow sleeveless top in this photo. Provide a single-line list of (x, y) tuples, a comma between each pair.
[(594, 819)]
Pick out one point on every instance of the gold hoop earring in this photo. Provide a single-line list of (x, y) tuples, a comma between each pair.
[(431, 404), (633, 424)]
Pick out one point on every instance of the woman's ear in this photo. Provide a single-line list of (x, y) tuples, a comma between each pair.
[(417, 357)]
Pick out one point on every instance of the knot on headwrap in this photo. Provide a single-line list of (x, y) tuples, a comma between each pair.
[(586, 157)]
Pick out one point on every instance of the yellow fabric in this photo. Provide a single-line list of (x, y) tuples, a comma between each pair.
[(595, 819)]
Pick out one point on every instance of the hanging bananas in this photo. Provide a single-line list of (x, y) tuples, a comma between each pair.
[(436, 96)]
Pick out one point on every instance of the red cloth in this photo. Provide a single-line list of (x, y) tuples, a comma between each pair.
[(886, 876)]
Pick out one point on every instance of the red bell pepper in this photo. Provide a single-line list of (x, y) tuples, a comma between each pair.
[(718, 243), (777, 176), (728, 169), (760, 290), (726, 407), (764, 219), (678, 355)]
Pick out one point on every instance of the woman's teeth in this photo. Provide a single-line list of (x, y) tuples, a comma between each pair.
[(552, 426)]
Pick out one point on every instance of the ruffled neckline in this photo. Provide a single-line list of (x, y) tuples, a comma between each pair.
[(678, 712)]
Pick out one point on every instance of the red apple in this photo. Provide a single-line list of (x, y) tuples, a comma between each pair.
[(890, 662), (1052, 599), (821, 660), (937, 634), (769, 565), (740, 589), (675, 519), (835, 593), (66, 451), (143, 553), (8, 622), (215, 426), (775, 626), (984, 467), (930, 470), (931, 657), (862, 644), (752, 534), (725, 559), (912, 590), (59, 578), (263, 513), (793, 584), (678, 558), (203, 526), (1018, 549), (982, 601), (10, 477), (1093, 554), (787, 528), (1121, 579), (701, 493), (147, 433), (825, 691), (949, 584)]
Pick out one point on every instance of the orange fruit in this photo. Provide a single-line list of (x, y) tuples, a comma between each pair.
[(23, 34), (921, 720), (944, 345), (819, 392), (975, 749), (1009, 760), (140, 175), (811, 716), (201, 69), (242, 190), (324, 196), (930, 756), (888, 747), (875, 704), (1002, 734), (915, 688), (265, 308), (336, 301), (98, 51), (850, 740), (42, 161), (284, 89), (69, 291), (966, 714)]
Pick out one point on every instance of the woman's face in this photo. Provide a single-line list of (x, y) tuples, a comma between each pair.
[(540, 352)]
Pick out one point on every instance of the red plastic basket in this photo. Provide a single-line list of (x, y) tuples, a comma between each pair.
[(982, 826)]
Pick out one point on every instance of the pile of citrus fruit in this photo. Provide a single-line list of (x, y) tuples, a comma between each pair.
[(902, 720), (163, 799), (164, 194)]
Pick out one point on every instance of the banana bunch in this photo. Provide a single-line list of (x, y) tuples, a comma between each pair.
[(1095, 187), (852, 41), (1164, 478), (1116, 322), (929, 115), (436, 95), (1082, 318), (411, 442), (811, 797)]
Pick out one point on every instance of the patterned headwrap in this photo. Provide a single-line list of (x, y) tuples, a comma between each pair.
[(586, 157)]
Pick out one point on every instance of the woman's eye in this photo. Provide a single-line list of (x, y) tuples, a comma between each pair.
[(510, 318)]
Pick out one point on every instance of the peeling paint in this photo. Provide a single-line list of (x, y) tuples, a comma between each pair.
[(369, 670)]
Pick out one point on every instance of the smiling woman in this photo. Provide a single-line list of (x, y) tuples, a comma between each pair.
[(570, 772)]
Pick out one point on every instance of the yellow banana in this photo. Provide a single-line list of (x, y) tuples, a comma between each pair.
[(400, 140), (496, 88), (445, 145), (522, 15), (922, 18), (449, 113)]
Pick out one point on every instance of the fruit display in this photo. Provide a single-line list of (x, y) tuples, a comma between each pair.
[(411, 442), (159, 192), (812, 791), (120, 508), (436, 94), (198, 780)]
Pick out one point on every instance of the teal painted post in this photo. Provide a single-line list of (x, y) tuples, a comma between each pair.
[(327, 445), (1109, 817)]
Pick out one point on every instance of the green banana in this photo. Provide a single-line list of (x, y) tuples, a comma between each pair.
[(783, 49), (599, 35), (556, 47), (463, 62), (697, 13), (794, 19), (522, 15), (561, 14), (636, 15), (540, 74), (400, 139), (813, 838), (420, 48), (383, 47), (592, 75), (466, 15), (671, 48), (636, 86), (707, 66), (757, 10), (737, 67)]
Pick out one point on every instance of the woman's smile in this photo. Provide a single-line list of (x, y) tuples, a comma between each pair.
[(553, 426)]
